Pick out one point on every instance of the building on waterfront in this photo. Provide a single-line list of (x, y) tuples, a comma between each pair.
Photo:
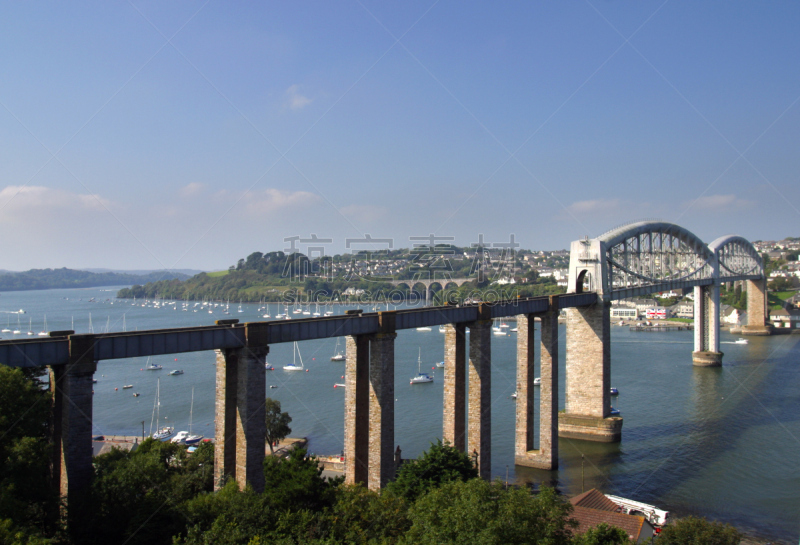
[(624, 313), (657, 313), (593, 508), (785, 319)]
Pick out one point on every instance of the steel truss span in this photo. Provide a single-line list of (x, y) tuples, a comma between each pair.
[(648, 257)]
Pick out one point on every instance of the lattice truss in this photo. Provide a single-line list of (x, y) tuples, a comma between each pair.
[(738, 258), (657, 257)]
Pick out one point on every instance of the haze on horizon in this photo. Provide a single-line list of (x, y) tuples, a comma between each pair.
[(149, 135)]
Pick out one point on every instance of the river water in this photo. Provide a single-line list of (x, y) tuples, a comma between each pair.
[(723, 443)]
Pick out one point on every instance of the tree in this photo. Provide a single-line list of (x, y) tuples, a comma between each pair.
[(603, 534), (699, 530), (442, 463), (477, 512), (277, 422), (296, 483)]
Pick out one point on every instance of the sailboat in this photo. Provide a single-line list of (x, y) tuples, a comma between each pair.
[(7, 329), (497, 330), (295, 355), (18, 330), (337, 355), (186, 437), (30, 326), (161, 434), (421, 377)]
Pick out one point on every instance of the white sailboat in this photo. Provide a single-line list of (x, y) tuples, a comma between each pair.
[(30, 326), (7, 329), (337, 354), (421, 377), (295, 356), (19, 328), (186, 437), (161, 434)]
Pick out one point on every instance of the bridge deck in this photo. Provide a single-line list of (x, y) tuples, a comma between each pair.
[(132, 344)]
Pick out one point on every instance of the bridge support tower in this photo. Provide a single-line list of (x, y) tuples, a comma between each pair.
[(588, 400), (706, 327), (546, 456), (757, 323)]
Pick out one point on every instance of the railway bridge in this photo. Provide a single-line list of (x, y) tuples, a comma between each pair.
[(636, 259)]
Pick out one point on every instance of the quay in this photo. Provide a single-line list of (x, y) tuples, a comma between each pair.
[(662, 327)]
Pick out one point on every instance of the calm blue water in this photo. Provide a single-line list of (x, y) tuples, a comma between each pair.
[(723, 443)]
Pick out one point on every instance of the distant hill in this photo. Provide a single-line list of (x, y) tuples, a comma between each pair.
[(140, 272), (45, 279)]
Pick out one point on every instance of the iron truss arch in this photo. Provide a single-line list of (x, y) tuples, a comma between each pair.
[(738, 259), (646, 257)]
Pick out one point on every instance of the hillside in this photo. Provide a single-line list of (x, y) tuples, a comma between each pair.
[(44, 279)]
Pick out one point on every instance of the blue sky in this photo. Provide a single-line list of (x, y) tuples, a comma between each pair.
[(190, 134)]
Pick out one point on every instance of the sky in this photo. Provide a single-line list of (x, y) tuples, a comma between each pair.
[(189, 134)]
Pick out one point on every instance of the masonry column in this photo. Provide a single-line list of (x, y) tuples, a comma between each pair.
[(381, 403), (71, 385), (455, 387), (356, 410), (706, 340), (225, 416), (523, 436), (546, 456), (480, 403), (588, 400), (757, 323)]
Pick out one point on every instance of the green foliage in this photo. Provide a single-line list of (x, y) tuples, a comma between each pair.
[(296, 482), (779, 284), (441, 463), (9, 535), (360, 516), (277, 422), (698, 531), (136, 496), (26, 497), (477, 512), (603, 534)]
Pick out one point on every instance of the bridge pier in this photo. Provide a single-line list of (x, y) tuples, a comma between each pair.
[(381, 466), (71, 385), (546, 456), (706, 327), (479, 437), (455, 387), (356, 410), (588, 399), (239, 422), (757, 317)]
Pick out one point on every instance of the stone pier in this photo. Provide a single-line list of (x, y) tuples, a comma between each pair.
[(479, 434), (356, 410), (71, 385), (455, 387), (706, 327), (546, 456), (381, 467), (239, 421), (757, 316), (588, 399)]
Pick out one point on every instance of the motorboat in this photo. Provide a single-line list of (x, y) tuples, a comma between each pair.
[(614, 391), (654, 515), (180, 437), (740, 340), (269, 367), (514, 395), (442, 329), (340, 385), (421, 377), (424, 328), (176, 372), (127, 386), (537, 381), (440, 364), (614, 412)]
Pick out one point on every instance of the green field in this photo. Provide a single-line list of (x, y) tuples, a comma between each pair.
[(217, 273), (776, 299)]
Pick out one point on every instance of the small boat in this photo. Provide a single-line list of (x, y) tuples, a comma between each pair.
[(424, 328), (514, 395), (136, 394), (740, 340), (154, 367), (442, 329), (180, 437), (421, 377), (164, 433), (293, 366), (272, 386), (537, 381), (440, 364), (176, 372), (127, 386), (269, 367), (614, 391), (514, 330), (340, 385), (614, 412)]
